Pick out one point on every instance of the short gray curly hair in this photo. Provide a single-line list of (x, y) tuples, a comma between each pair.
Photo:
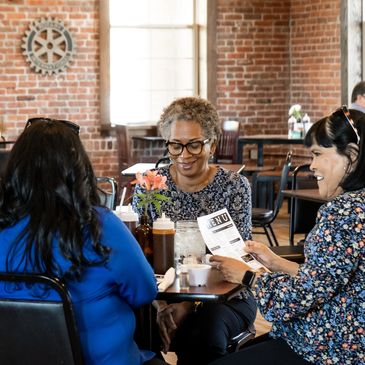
[(194, 109)]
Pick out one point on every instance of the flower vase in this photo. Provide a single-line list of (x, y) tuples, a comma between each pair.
[(143, 235)]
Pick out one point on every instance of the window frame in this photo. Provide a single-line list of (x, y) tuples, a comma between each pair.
[(104, 49)]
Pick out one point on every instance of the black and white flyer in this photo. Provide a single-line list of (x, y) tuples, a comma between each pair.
[(222, 238)]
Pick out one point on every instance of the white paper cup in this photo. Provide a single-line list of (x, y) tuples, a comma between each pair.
[(198, 274)]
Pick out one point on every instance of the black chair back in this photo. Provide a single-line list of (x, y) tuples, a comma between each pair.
[(302, 212), (283, 184), (262, 217), (4, 157), (35, 331)]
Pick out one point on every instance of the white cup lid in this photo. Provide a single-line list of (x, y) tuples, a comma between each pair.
[(163, 223)]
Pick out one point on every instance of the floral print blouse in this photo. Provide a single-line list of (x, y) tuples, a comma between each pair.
[(227, 190), (320, 312)]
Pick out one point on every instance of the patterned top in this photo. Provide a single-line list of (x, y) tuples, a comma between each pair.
[(227, 190), (321, 311)]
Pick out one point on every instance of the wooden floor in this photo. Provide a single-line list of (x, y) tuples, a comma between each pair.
[(281, 229)]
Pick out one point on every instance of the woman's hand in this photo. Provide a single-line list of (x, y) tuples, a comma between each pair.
[(169, 318), (232, 269), (269, 259)]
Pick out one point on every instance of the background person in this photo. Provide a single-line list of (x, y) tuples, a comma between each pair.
[(358, 97), (317, 308), (50, 223), (191, 128)]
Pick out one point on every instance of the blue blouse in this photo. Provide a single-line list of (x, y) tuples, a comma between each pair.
[(320, 312), (227, 190), (105, 297)]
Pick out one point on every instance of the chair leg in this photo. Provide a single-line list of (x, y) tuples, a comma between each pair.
[(273, 235), (268, 235)]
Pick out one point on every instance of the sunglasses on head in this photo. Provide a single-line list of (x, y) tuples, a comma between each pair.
[(344, 112), (73, 126)]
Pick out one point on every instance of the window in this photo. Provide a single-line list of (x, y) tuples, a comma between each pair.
[(157, 52)]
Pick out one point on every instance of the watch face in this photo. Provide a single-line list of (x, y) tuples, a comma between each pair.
[(248, 278)]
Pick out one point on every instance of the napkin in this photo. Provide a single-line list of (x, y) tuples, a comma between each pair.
[(167, 280)]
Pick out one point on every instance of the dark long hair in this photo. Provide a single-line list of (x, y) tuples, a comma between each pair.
[(49, 182), (336, 131)]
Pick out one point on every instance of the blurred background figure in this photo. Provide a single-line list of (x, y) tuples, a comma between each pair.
[(358, 97)]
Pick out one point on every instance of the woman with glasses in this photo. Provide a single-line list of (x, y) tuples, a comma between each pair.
[(317, 308), (51, 222), (191, 128)]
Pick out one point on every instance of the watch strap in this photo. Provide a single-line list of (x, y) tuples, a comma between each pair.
[(249, 278)]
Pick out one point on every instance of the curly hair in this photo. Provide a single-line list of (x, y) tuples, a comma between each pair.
[(49, 183), (192, 109)]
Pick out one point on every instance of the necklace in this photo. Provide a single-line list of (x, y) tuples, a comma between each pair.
[(192, 187)]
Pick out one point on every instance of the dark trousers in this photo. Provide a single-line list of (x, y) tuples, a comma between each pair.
[(155, 361), (203, 336), (263, 351)]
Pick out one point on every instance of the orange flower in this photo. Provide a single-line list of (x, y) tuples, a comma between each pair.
[(152, 182)]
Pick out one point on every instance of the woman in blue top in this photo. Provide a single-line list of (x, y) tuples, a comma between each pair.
[(51, 222), (317, 308)]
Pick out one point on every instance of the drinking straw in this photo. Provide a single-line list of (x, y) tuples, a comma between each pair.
[(123, 196)]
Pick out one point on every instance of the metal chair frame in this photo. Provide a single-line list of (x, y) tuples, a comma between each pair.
[(108, 198), (34, 331), (262, 217)]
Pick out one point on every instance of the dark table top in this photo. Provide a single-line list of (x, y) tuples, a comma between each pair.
[(305, 194), (270, 139), (216, 290)]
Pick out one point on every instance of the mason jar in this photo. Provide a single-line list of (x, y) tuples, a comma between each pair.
[(189, 244)]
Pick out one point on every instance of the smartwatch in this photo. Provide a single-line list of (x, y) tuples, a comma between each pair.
[(249, 278)]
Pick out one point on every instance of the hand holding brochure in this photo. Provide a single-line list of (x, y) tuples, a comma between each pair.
[(222, 238)]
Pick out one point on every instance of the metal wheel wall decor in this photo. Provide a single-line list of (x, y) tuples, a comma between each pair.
[(48, 46)]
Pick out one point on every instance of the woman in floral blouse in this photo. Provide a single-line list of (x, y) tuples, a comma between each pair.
[(317, 308), (191, 127)]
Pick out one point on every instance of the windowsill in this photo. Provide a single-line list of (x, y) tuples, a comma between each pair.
[(107, 130)]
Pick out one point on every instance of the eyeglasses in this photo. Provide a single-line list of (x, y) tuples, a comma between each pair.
[(75, 127), (344, 112), (194, 148)]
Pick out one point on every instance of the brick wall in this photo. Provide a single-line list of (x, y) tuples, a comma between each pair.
[(72, 95), (271, 54), (315, 80)]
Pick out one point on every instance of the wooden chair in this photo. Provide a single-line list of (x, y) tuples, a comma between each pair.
[(36, 331), (227, 146)]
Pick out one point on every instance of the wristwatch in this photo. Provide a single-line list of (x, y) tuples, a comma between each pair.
[(249, 278)]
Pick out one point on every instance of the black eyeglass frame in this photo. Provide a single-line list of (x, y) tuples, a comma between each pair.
[(345, 112), (73, 126), (186, 145)]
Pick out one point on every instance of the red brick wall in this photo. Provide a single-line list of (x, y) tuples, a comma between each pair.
[(72, 95), (271, 54), (315, 80), (253, 63)]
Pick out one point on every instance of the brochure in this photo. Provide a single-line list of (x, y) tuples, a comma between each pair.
[(222, 238)]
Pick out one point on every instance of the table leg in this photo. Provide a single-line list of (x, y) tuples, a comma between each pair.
[(260, 154), (239, 153)]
